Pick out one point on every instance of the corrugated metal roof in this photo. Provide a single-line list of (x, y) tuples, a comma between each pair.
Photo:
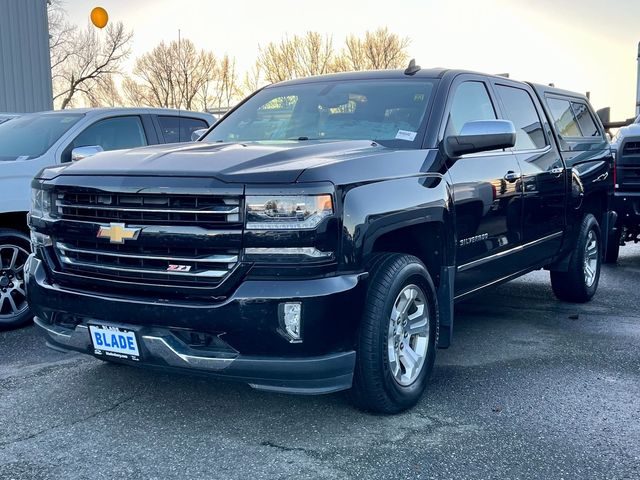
[(25, 66)]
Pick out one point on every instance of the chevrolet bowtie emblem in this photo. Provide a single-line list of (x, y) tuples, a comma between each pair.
[(118, 233)]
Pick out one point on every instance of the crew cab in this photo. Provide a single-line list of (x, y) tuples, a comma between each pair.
[(626, 147), (317, 237), (33, 141)]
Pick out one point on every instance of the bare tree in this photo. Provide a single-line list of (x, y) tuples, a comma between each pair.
[(105, 93), (378, 50), (61, 38), (299, 56), (172, 75), (225, 84), (253, 80), (90, 60)]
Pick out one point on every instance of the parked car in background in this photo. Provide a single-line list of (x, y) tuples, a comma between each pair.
[(626, 146), (317, 237), (34, 141), (4, 117)]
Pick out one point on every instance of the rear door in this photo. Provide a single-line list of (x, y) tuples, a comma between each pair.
[(487, 193), (544, 176)]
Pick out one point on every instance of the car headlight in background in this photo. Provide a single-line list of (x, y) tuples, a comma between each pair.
[(295, 212), (40, 203)]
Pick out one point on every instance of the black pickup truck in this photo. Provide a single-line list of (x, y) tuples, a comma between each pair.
[(626, 148), (317, 238)]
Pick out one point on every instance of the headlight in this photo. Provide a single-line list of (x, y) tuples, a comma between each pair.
[(298, 212), (40, 203)]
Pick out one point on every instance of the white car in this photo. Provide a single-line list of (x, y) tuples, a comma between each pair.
[(31, 142)]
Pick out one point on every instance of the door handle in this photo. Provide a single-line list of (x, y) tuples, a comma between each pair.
[(511, 176), (556, 171)]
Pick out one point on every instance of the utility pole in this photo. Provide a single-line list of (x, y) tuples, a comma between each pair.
[(638, 84)]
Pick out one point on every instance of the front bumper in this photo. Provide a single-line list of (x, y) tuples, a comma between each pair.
[(249, 345), (627, 205)]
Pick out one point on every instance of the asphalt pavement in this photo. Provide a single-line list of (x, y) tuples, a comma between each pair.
[(531, 388)]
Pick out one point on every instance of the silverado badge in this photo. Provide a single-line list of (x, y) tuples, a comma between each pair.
[(118, 232)]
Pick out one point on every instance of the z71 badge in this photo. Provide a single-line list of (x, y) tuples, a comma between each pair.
[(179, 268)]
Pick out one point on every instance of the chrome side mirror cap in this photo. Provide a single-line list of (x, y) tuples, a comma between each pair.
[(481, 136), (196, 134), (80, 153)]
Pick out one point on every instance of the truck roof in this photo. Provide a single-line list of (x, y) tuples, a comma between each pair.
[(422, 73), (129, 110)]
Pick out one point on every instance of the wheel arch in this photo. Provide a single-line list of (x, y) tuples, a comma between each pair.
[(15, 221)]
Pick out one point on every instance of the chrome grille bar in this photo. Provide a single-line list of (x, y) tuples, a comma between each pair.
[(205, 274), (224, 210), (200, 259)]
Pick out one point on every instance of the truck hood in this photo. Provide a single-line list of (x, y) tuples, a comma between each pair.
[(281, 162)]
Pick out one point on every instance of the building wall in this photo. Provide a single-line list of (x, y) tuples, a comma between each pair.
[(25, 66)]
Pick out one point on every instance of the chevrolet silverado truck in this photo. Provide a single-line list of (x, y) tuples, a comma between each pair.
[(37, 140), (317, 237), (626, 148)]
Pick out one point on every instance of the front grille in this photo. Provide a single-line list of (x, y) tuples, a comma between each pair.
[(190, 266), (631, 148), (152, 209), (182, 240)]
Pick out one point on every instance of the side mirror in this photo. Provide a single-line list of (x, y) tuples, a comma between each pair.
[(481, 136), (604, 114), (196, 134), (80, 153)]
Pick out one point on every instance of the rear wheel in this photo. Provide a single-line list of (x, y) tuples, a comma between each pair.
[(580, 282), (14, 250), (396, 340)]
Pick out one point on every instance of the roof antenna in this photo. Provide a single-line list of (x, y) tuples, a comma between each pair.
[(412, 69)]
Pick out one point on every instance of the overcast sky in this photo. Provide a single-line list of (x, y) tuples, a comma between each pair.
[(582, 45)]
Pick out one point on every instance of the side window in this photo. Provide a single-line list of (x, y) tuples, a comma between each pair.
[(179, 129), (470, 102), (519, 108), (113, 134), (563, 117), (585, 120)]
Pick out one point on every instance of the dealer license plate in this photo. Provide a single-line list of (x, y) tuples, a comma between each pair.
[(115, 342)]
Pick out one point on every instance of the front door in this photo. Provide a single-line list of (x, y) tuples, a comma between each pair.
[(487, 196)]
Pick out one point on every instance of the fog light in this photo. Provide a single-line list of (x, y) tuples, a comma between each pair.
[(40, 239), (291, 320)]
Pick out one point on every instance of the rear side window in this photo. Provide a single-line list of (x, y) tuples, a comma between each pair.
[(470, 102), (572, 119), (520, 109), (179, 129), (585, 121)]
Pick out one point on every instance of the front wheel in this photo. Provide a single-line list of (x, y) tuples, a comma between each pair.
[(580, 282), (14, 250), (397, 335)]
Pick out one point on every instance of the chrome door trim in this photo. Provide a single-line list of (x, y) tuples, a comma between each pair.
[(496, 256)]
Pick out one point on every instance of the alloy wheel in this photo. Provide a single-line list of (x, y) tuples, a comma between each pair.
[(13, 299), (591, 259), (408, 337)]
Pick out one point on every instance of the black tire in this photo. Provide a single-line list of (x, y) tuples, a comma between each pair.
[(613, 246), (375, 388), (573, 285), (14, 311)]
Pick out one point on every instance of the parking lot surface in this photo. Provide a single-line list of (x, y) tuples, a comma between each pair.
[(531, 388)]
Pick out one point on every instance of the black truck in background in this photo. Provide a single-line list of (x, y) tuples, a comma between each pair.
[(317, 237), (626, 149)]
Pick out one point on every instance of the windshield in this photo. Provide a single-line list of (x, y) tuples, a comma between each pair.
[(32, 135), (388, 111)]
